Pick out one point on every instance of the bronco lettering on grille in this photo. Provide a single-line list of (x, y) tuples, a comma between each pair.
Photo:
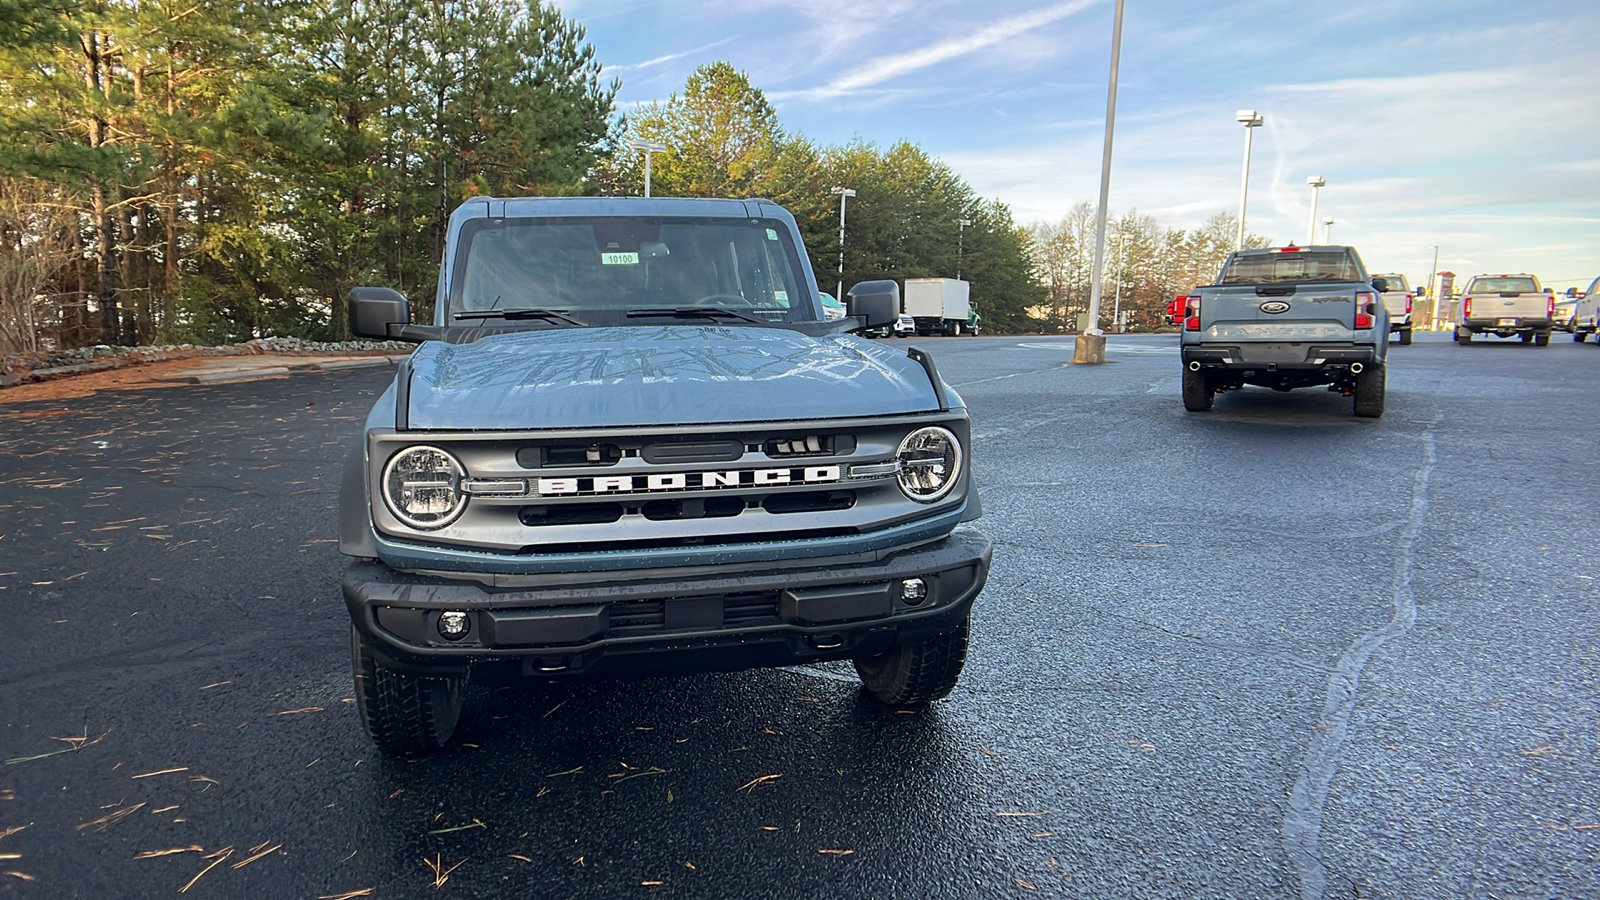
[(683, 481)]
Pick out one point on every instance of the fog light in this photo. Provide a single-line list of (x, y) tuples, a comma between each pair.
[(454, 625), (913, 591)]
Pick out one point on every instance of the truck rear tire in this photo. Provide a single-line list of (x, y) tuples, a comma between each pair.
[(1370, 386), (1542, 339), (1197, 393), (955, 329), (1464, 335), (916, 673), (404, 714), (1580, 336), (1527, 337), (1405, 336)]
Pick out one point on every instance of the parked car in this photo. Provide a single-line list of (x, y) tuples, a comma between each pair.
[(656, 456), (1507, 306), (1286, 318), (1586, 313), (905, 326), (1397, 299)]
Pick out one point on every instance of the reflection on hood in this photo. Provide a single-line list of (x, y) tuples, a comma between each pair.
[(659, 375)]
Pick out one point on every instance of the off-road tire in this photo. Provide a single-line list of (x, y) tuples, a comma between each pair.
[(404, 714), (1197, 393), (1542, 339), (917, 673), (1405, 336), (1370, 386)]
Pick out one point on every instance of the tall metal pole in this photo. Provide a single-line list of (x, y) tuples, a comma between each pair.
[(648, 147), (961, 227), (1316, 182), (1433, 295), (1095, 283), (843, 192), (1116, 307), (1327, 230), (1251, 120)]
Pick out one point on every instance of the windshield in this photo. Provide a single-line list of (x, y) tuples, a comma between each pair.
[(1504, 286), (599, 268), (1304, 265), (1396, 282)]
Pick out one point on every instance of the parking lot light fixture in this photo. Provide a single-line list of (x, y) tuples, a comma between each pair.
[(1317, 182), (648, 147), (1091, 343), (1251, 120), (961, 227), (843, 192), (1327, 229)]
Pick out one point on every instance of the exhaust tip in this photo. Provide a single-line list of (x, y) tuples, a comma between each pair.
[(1194, 366), (1356, 368)]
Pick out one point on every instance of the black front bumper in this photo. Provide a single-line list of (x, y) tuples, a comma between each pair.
[(827, 611)]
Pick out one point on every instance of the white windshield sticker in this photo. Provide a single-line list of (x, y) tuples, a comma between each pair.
[(771, 235), (781, 296), (619, 259)]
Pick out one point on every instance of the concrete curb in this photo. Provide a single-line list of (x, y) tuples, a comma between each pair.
[(351, 363), (243, 375)]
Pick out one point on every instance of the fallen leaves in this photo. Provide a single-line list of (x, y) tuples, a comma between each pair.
[(153, 854), (75, 744), (217, 859), (112, 818), (754, 783), (441, 874), (349, 895), (162, 772), (473, 824), (837, 852)]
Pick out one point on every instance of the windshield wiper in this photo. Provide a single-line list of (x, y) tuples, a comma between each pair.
[(547, 315), (694, 312)]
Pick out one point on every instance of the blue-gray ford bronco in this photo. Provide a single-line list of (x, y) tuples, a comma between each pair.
[(631, 443), (1286, 318)]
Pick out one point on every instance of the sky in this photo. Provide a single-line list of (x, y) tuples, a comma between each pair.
[(1469, 126)]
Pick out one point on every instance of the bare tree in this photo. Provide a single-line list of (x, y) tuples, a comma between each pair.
[(36, 246)]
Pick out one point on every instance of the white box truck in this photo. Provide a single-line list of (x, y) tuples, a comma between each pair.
[(940, 306)]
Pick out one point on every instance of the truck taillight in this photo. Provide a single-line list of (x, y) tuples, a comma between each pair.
[(1364, 302), (1466, 307), (1550, 305), (1191, 321), (1408, 304)]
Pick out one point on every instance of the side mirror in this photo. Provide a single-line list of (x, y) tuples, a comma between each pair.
[(1380, 284), (875, 303), (374, 309)]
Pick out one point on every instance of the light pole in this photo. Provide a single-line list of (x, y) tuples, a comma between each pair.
[(1091, 344), (961, 227), (1116, 308), (1432, 294), (843, 192), (1316, 182), (648, 147), (1251, 120), (1327, 229)]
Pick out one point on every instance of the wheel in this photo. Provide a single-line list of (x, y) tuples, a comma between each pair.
[(1464, 335), (1542, 339), (1528, 337), (404, 714), (1405, 336), (955, 329), (1370, 385), (1580, 336), (917, 673), (1197, 393)]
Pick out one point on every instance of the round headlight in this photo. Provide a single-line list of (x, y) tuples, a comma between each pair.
[(422, 487), (930, 462)]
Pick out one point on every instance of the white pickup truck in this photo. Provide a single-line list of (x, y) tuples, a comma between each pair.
[(1506, 305), (1397, 298)]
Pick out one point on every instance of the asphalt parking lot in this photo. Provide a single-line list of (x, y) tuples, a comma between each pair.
[(1267, 651)]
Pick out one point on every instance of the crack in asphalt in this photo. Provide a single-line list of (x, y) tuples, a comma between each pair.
[(1302, 826)]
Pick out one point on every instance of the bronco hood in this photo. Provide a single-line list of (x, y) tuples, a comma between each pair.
[(658, 375)]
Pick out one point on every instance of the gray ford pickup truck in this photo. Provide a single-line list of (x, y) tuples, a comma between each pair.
[(1506, 305), (1286, 318), (631, 442)]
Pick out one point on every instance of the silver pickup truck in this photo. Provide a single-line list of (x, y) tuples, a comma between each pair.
[(1286, 318), (1506, 305), (1397, 299)]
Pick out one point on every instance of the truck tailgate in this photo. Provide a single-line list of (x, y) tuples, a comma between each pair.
[(1300, 312)]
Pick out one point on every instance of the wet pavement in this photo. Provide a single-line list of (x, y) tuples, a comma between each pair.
[(1269, 651)]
